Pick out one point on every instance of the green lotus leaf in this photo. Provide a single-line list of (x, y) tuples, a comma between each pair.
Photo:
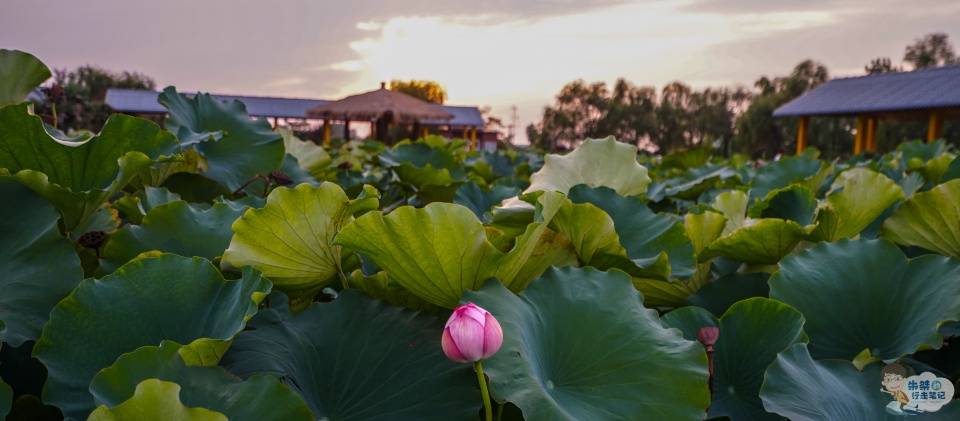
[(6, 399), (645, 235), (234, 146), (135, 206), (596, 163), (839, 287), (593, 237), (261, 397), (480, 200), (761, 241), (658, 293), (733, 205), (290, 240), (929, 219), (381, 287), (697, 180), (703, 228), (144, 302), (689, 320), (155, 400), (175, 227), (953, 171), (801, 169), (566, 358), (20, 73), (752, 333), (358, 359), (718, 295), (802, 389), (310, 156), (858, 196), (39, 265), (441, 250), (794, 203), (78, 176), (422, 165)]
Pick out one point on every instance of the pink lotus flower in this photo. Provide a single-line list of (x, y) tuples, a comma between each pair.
[(471, 334)]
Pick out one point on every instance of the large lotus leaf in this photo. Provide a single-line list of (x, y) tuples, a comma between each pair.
[(689, 320), (310, 156), (421, 165), (953, 171), (155, 400), (381, 287), (802, 389), (261, 397), (592, 236), (175, 227), (733, 205), (38, 265), (800, 169), (441, 250), (142, 303), (697, 180), (234, 146), (78, 176), (358, 359), (718, 295), (703, 228), (290, 240), (6, 399), (857, 197), (564, 357), (752, 333), (761, 241), (794, 202), (645, 235), (135, 206), (929, 219), (20, 73), (864, 299), (596, 163), (480, 200)]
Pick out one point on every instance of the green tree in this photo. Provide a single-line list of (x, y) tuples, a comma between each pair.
[(426, 90), (880, 65), (932, 50), (75, 98)]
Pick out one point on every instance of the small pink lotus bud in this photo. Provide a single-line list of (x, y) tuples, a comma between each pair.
[(708, 336), (471, 334)]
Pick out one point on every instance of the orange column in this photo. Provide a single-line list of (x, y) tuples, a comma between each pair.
[(872, 134), (473, 138), (425, 133), (860, 136), (802, 127), (326, 132), (933, 126)]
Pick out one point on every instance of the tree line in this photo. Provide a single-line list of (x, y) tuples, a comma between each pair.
[(730, 119)]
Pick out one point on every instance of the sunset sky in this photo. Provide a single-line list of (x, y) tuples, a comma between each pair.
[(497, 53)]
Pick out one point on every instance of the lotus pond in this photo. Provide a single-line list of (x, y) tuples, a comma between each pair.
[(213, 268)]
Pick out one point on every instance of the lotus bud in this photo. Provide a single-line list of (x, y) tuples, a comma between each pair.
[(708, 336), (471, 334)]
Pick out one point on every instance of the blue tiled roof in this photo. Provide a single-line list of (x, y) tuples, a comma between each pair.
[(141, 101), (885, 92)]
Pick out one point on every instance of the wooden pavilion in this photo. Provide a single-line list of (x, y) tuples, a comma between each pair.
[(381, 108), (930, 94)]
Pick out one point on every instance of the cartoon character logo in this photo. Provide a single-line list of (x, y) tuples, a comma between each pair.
[(894, 381)]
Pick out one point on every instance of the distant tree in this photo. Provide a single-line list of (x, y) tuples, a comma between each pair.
[(75, 98), (426, 90), (880, 65), (932, 50), (757, 132)]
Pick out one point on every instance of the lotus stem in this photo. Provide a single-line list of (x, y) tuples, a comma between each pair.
[(487, 409)]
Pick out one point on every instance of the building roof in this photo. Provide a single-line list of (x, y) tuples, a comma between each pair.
[(141, 101), (884, 92), (374, 104), (145, 102), (462, 117)]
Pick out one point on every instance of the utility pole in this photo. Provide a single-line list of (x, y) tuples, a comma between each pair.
[(512, 127)]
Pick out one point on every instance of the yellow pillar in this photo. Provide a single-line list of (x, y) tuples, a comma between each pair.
[(473, 138), (464, 133), (326, 132), (802, 126), (860, 136), (424, 132), (933, 126), (872, 134)]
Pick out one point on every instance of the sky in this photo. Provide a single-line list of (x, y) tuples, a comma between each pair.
[(496, 53)]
